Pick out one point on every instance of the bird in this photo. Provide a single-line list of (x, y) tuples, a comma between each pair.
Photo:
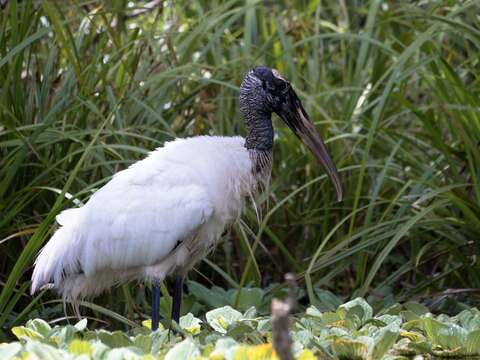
[(163, 214)]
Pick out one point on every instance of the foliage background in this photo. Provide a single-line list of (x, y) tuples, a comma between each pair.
[(87, 88)]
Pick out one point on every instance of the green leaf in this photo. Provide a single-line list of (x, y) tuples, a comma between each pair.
[(354, 349), (190, 324), (81, 325), (148, 324), (250, 313), (8, 351), (123, 353), (412, 336), (240, 330), (222, 318), (22, 332), (45, 351), (304, 337), (40, 326), (472, 345), (159, 339), (313, 311), (80, 347), (469, 319), (143, 342), (114, 340), (447, 336), (224, 348), (63, 334), (327, 301), (422, 347), (356, 308), (384, 340), (248, 297), (411, 316), (416, 308), (186, 349), (208, 296), (335, 319), (264, 325), (100, 350), (389, 319)]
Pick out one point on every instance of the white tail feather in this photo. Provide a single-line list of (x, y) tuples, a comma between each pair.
[(60, 256), (60, 262)]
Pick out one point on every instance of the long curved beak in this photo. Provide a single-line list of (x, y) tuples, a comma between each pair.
[(297, 119)]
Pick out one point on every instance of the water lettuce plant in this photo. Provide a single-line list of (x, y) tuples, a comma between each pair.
[(351, 331)]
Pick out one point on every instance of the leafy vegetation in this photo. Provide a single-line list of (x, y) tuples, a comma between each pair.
[(87, 88), (350, 332)]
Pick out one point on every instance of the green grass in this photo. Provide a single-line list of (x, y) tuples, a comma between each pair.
[(85, 90)]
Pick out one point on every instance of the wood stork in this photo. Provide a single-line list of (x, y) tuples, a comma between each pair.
[(164, 213)]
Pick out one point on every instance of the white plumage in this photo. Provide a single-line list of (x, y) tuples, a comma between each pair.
[(158, 216), (162, 214)]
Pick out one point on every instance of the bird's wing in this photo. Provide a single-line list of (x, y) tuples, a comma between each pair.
[(139, 225), (123, 226)]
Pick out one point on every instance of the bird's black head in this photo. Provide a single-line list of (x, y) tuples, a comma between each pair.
[(264, 91), (274, 85)]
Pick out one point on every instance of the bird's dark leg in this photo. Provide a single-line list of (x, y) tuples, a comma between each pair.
[(155, 303), (177, 298)]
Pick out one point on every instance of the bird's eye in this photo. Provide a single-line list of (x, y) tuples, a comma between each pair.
[(282, 86)]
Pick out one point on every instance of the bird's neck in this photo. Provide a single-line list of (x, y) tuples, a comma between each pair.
[(261, 165), (259, 131), (258, 123), (259, 141)]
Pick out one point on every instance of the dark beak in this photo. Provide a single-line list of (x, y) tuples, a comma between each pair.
[(297, 119)]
